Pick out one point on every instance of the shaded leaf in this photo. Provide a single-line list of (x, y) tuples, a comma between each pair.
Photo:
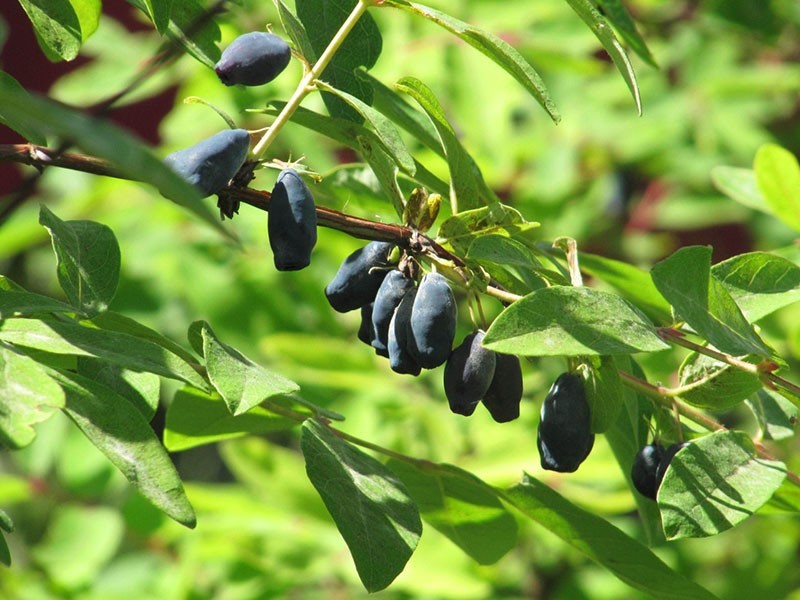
[(371, 507), (778, 179), (195, 418), (361, 48), (27, 396), (709, 383), (73, 339), (776, 415), (120, 432), (159, 13), (57, 27), (384, 168), (502, 53), (598, 539), (571, 321), (461, 230), (760, 283), (685, 280), (242, 383), (113, 321), (17, 303), (88, 261), (715, 483), (142, 389), (603, 387), (462, 507), (296, 31)]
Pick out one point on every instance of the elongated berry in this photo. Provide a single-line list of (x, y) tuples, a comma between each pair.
[(400, 359), (468, 373), (391, 291), (254, 58), (210, 164), (644, 469), (433, 322), (359, 277), (565, 437), (292, 222), (503, 397)]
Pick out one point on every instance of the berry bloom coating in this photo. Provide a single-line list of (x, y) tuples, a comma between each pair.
[(565, 437), (390, 293), (254, 58), (400, 359), (359, 277), (505, 390), (433, 322), (292, 222), (468, 373), (209, 165)]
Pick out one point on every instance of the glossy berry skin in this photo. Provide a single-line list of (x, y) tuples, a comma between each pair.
[(565, 437), (400, 359), (365, 331), (292, 222), (505, 390), (254, 58), (359, 277), (390, 293), (669, 454), (645, 466), (209, 165), (468, 373), (433, 322)]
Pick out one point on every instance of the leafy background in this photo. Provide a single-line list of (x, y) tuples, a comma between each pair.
[(624, 186)]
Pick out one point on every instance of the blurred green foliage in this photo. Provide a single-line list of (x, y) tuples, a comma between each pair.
[(627, 187)]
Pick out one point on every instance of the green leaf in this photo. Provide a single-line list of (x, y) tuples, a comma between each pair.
[(384, 168), (88, 12), (104, 140), (502, 53), (371, 507), (598, 539), (760, 283), (80, 541), (141, 389), (383, 127), (73, 339), (778, 180), (461, 230), (776, 415), (587, 11), (27, 396), (603, 387), (7, 526), (571, 321), (685, 280), (715, 483), (191, 26), (497, 252), (113, 321), (14, 304), (88, 261), (9, 86), (630, 282), (159, 13), (241, 383), (195, 418), (709, 383), (466, 182), (462, 507), (622, 21), (120, 432), (57, 27), (740, 185), (392, 104), (361, 48), (296, 31)]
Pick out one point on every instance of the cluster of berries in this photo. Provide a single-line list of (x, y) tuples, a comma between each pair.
[(254, 59)]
